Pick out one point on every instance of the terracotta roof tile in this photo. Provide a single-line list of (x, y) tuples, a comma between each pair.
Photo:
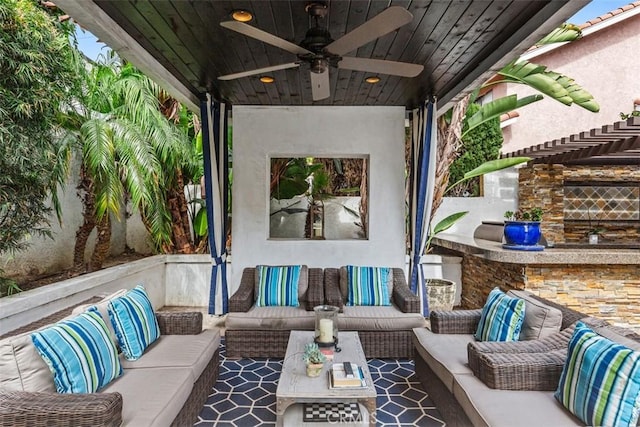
[(609, 14)]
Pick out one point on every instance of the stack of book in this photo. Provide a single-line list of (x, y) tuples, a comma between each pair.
[(346, 375)]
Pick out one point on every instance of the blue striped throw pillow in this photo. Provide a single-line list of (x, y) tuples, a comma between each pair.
[(134, 321), (600, 381), (501, 318), (278, 285), (79, 352), (367, 285)]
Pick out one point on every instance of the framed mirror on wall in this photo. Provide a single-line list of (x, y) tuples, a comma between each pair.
[(319, 198)]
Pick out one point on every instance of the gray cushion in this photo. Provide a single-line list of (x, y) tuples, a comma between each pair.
[(378, 318), (174, 351), (495, 408), (303, 283), (446, 354), (279, 318), (540, 320), (152, 397)]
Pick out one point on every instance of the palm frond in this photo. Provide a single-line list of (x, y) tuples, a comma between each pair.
[(496, 108)]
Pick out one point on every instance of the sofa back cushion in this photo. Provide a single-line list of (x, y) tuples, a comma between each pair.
[(600, 381), (134, 321), (79, 352), (501, 318), (22, 368), (344, 283), (540, 320), (278, 285), (303, 282)]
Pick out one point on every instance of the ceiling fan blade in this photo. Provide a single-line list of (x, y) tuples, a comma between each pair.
[(320, 86), (259, 71), (265, 37), (380, 66), (381, 24)]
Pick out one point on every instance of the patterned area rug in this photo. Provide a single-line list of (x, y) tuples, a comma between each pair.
[(244, 395)]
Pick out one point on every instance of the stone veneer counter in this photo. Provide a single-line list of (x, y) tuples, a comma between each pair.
[(601, 282), (494, 251)]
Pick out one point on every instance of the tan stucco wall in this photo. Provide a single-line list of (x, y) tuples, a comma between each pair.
[(606, 63)]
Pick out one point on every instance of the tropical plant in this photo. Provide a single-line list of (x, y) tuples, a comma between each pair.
[(39, 73), (533, 214), (129, 150)]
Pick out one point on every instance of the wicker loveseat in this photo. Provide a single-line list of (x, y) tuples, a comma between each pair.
[(252, 331), (168, 385), (499, 383), (385, 331)]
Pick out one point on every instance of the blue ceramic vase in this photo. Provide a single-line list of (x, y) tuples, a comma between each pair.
[(522, 233)]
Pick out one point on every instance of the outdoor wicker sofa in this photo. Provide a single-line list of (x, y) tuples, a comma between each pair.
[(499, 383), (252, 331), (168, 385), (385, 331)]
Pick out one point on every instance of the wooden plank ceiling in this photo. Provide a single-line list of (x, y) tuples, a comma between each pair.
[(458, 42), (615, 144)]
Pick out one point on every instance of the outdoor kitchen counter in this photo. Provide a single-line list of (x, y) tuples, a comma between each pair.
[(493, 251)]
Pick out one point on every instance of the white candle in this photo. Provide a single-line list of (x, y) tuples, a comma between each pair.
[(326, 330)]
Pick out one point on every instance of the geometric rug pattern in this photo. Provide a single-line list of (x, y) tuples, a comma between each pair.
[(245, 394)]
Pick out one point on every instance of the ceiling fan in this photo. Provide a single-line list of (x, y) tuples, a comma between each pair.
[(321, 52)]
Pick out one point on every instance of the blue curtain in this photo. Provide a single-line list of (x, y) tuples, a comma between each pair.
[(216, 173), (422, 176)]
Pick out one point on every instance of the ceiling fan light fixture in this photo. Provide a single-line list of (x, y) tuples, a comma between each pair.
[(267, 79), (319, 65), (241, 15), (372, 79)]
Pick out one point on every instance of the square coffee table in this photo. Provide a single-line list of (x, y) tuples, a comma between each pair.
[(296, 388)]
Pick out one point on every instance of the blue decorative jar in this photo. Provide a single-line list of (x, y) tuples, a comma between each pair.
[(522, 233)]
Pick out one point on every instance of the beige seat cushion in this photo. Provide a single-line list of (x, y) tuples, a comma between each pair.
[(152, 396), (446, 354), (279, 318), (21, 366), (378, 318), (303, 284), (540, 320), (179, 351), (495, 408)]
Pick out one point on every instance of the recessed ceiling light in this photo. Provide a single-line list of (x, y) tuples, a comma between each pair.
[(372, 79), (267, 79), (242, 15)]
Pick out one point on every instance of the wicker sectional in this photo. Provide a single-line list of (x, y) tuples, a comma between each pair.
[(168, 385), (499, 383), (264, 331)]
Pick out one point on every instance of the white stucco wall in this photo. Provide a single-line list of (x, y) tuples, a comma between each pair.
[(605, 63), (264, 132)]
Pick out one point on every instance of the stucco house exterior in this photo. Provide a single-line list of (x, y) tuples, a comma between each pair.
[(604, 61)]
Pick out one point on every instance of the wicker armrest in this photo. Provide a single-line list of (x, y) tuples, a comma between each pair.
[(19, 408), (315, 293), (455, 321), (402, 296), (332, 294), (243, 299), (520, 371), (179, 323)]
